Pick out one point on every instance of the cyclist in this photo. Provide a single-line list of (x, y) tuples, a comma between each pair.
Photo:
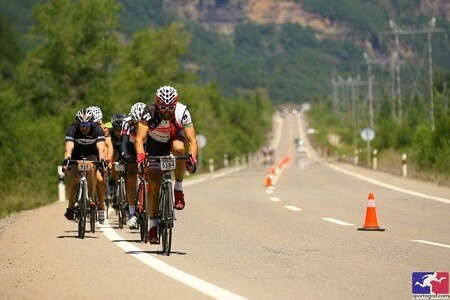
[(168, 127), (84, 138), (128, 153), (115, 132), (109, 153)]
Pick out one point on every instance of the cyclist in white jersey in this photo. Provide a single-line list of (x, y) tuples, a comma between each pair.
[(167, 127)]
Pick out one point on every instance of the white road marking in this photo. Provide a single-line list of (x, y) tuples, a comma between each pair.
[(172, 272), (431, 243), (339, 222), (388, 186), (275, 199), (293, 208)]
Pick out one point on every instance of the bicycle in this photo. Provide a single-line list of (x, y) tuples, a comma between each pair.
[(166, 212), (82, 202)]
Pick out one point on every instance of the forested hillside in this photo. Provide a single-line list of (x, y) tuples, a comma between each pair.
[(231, 61), (75, 57)]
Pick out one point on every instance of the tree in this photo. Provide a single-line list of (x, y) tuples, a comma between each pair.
[(75, 48)]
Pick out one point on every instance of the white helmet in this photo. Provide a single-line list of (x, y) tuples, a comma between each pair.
[(96, 113), (136, 110), (167, 95), (84, 116)]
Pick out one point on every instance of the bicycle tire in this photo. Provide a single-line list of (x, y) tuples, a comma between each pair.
[(122, 205), (142, 211), (82, 211), (93, 216), (166, 220)]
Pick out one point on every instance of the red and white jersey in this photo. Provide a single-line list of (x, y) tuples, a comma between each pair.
[(163, 130)]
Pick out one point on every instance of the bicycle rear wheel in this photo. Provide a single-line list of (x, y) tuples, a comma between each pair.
[(166, 220)]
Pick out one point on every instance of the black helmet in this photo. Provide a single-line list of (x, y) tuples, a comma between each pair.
[(117, 120)]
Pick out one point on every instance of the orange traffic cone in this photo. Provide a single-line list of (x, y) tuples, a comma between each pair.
[(371, 222), (270, 177)]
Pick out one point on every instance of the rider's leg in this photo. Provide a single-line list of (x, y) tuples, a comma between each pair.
[(73, 184), (101, 190), (154, 179), (178, 149), (130, 187)]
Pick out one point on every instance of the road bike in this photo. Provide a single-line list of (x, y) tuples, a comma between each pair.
[(166, 212), (82, 201)]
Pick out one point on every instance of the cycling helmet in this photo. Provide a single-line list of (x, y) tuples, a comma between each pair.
[(84, 116), (96, 113), (167, 95), (136, 110), (117, 120)]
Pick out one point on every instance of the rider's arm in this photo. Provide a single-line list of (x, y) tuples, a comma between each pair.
[(192, 139), (68, 149), (109, 149), (141, 136), (101, 150)]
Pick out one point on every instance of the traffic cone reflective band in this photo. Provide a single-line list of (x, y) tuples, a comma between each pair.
[(371, 222)]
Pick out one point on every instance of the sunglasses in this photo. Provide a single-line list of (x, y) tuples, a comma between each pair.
[(169, 108), (85, 124)]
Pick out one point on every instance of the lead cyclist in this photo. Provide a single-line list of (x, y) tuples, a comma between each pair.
[(167, 127)]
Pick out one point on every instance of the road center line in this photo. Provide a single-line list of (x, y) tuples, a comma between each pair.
[(275, 199), (293, 208), (388, 186), (431, 243), (339, 222)]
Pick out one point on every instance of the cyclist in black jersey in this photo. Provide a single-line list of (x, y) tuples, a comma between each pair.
[(84, 139), (109, 152)]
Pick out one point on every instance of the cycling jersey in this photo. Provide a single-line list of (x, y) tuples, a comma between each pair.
[(127, 138), (84, 145), (164, 130)]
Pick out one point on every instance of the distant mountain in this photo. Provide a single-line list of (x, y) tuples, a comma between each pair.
[(290, 48)]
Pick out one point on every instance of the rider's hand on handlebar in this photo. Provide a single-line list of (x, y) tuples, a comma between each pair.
[(191, 164), (103, 165), (140, 160), (65, 165)]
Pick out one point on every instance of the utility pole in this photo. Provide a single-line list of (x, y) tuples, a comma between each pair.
[(396, 61), (396, 31), (369, 63)]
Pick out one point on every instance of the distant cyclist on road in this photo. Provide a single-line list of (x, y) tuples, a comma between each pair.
[(167, 126), (84, 138)]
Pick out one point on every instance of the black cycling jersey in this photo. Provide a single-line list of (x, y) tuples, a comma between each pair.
[(84, 145), (127, 139)]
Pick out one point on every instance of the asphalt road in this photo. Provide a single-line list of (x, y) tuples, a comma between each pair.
[(237, 239)]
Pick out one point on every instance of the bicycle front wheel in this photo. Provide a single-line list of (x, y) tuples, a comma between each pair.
[(142, 210), (166, 221), (82, 211)]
